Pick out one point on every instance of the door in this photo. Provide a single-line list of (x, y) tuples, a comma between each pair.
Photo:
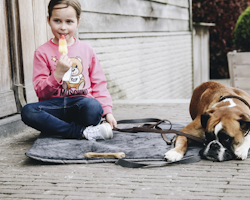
[(7, 98)]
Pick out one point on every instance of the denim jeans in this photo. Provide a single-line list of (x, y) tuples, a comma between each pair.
[(66, 117)]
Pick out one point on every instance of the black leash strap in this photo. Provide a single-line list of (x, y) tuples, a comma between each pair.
[(155, 129), (129, 164), (133, 121)]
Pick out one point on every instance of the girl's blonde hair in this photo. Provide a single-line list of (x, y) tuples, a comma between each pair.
[(73, 3)]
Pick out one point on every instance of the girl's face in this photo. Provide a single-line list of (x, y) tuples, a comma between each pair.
[(63, 21)]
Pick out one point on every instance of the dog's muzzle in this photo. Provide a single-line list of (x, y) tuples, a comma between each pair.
[(216, 152)]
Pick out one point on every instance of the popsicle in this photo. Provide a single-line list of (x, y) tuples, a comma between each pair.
[(63, 45), (64, 49)]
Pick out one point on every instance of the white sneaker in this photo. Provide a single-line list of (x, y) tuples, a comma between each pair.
[(102, 131)]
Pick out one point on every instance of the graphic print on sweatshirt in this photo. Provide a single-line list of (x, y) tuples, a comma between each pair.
[(76, 79)]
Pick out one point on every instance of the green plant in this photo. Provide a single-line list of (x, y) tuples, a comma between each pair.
[(242, 31)]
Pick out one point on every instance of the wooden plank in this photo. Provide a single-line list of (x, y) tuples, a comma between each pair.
[(160, 1), (196, 59), (7, 103), (241, 70), (49, 32), (28, 44), (7, 99), (129, 35), (30, 92), (136, 8), (230, 66), (40, 28), (241, 58), (242, 83), (15, 50), (181, 3), (239, 63), (94, 22), (5, 75), (200, 55)]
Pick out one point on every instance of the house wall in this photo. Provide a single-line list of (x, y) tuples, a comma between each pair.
[(145, 47)]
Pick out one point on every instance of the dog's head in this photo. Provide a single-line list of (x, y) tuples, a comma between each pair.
[(225, 130)]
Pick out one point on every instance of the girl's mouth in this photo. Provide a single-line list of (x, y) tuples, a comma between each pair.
[(65, 34)]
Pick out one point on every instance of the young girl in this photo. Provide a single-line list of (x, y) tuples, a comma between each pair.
[(73, 108)]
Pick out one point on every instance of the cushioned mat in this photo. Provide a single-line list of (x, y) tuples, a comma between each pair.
[(136, 146)]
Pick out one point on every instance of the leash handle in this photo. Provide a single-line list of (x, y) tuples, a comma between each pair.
[(146, 127), (129, 164)]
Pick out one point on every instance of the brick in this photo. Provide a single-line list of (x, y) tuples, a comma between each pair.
[(127, 195), (92, 198), (104, 190), (187, 197), (20, 191), (37, 196), (156, 59), (203, 180)]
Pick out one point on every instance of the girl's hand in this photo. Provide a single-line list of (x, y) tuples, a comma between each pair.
[(111, 120), (63, 65)]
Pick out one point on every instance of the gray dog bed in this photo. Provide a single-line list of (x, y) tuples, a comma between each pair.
[(136, 146)]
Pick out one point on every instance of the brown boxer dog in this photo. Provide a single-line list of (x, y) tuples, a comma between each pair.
[(221, 116)]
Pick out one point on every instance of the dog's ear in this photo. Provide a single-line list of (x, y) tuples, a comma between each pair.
[(204, 118), (244, 121)]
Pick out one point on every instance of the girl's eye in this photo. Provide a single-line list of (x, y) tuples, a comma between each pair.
[(69, 22), (57, 20)]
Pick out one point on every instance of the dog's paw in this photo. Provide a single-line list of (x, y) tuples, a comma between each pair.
[(241, 152), (172, 155)]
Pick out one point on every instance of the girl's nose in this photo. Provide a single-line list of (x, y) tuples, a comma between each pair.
[(63, 26)]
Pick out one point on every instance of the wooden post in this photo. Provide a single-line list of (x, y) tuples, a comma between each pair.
[(201, 53)]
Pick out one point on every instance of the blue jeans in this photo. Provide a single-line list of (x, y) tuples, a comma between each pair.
[(66, 117)]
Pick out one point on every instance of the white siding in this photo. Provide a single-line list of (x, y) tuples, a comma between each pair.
[(145, 47)]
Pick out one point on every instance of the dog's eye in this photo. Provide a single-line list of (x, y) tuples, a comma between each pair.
[(224, 138), (227, 140)]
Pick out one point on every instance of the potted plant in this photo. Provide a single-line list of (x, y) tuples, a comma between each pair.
[(239, 60)]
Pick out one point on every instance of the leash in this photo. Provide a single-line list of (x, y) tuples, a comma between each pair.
[(129, 164), (155, 129)]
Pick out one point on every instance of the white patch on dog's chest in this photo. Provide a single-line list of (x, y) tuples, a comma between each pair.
[(232, 104), (217, 128)]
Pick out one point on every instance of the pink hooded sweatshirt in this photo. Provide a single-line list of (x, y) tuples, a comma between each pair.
[(87, 77)]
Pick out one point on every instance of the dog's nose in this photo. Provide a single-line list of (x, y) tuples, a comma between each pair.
[(214, 146)]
